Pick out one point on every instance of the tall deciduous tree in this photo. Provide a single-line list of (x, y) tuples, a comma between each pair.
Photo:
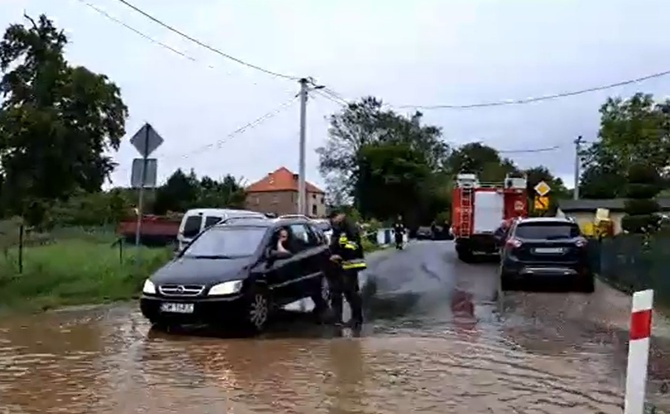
[(385, 161), (56, 121), (632, 131)]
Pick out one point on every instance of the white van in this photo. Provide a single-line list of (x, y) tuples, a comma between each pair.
[(198, 219)]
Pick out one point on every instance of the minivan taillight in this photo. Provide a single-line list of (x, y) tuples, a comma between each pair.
[(512, 242)]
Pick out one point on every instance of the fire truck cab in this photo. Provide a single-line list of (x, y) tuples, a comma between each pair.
[(479, 209)]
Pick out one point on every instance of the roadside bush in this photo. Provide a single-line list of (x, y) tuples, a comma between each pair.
[(640, 207)]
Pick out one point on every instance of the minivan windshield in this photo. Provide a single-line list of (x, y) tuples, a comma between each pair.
[(547, 231), (192, 226), (226, 243)]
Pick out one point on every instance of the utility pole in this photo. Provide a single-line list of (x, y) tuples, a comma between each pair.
[(302, 189), (302, 196), (578, 149)]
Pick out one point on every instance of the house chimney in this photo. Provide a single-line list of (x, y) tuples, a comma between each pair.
[(295, 176)]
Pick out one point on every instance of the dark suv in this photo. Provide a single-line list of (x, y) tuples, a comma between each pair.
[(546, 250)]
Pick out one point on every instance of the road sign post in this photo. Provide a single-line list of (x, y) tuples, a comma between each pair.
[(146, 141), (541, 203), (541, 200)]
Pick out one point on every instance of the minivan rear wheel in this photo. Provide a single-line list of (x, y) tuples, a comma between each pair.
[(257, 309)]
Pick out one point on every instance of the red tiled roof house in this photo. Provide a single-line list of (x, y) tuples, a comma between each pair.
[(277, 193)]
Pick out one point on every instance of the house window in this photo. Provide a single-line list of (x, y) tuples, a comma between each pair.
[(314, 209), (275, 199), (323, 200), (314, 196), (257, 200)]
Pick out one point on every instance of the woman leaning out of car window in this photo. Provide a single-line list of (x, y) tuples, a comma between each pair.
[(282, 241)]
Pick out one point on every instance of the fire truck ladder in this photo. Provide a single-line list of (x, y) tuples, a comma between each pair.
[(466, 211)]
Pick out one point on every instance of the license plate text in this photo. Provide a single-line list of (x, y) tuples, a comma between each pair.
[(177, 307)]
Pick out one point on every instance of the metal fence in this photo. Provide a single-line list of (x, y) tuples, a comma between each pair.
[(630, 263)]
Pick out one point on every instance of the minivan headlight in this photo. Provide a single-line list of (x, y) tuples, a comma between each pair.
[(226, 288), (149, 288)]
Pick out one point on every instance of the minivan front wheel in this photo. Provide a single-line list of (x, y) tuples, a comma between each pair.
[(257, 309)]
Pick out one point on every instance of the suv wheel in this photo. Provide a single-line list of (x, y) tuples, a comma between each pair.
[(257, 310)]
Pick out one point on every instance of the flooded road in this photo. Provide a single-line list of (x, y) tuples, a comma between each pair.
[(438, 339)]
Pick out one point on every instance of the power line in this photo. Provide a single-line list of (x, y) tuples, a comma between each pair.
[(218, 144), (139, 33), (206, 46), (325, 93), (250, 125), (523, 101), (337, 97), (523, 151), (546, 97)]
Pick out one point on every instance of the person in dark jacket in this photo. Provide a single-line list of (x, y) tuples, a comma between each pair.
[(399, 231), (347, 260)]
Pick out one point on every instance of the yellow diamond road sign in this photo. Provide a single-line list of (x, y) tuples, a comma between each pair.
[(542, 188)]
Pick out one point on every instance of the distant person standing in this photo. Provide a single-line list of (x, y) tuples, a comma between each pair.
[(399, 232)]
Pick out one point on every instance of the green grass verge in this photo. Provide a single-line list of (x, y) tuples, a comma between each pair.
[(74, 272)]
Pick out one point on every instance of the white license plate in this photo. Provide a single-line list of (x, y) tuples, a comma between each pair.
[(548, 250), (177, 307)]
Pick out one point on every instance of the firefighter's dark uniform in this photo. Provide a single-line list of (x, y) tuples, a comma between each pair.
[(346, 243), (399, 230)]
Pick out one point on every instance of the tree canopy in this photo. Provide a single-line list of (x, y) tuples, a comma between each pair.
[(632, 131), (390, 164), (57, 121)]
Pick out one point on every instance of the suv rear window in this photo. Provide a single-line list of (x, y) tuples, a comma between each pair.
[(547, 231), (192, 226)]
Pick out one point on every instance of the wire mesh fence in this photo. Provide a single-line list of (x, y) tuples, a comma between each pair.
[(631, 262), (23, 248)]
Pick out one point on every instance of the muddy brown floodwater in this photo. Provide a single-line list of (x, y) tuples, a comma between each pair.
[(424, 349)]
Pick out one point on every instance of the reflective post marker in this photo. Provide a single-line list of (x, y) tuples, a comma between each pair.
[(638, 351)]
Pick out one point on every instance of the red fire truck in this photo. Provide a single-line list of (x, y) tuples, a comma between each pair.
[(478, 209)]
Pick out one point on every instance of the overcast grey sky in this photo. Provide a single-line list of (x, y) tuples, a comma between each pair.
[(405, 52)]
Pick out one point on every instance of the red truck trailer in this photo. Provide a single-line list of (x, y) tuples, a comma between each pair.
[(478, 209)]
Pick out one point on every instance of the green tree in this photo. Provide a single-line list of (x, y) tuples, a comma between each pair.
[(480, 159), (179, 193), (228, 192), (56, 121), (387, 162), (185, 191), (641, 208), (632, 131)]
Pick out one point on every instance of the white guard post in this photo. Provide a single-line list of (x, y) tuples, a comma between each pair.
[(638, 351)]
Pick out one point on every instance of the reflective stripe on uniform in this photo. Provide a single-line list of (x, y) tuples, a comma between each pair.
[(345, 243), (354, 264)]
